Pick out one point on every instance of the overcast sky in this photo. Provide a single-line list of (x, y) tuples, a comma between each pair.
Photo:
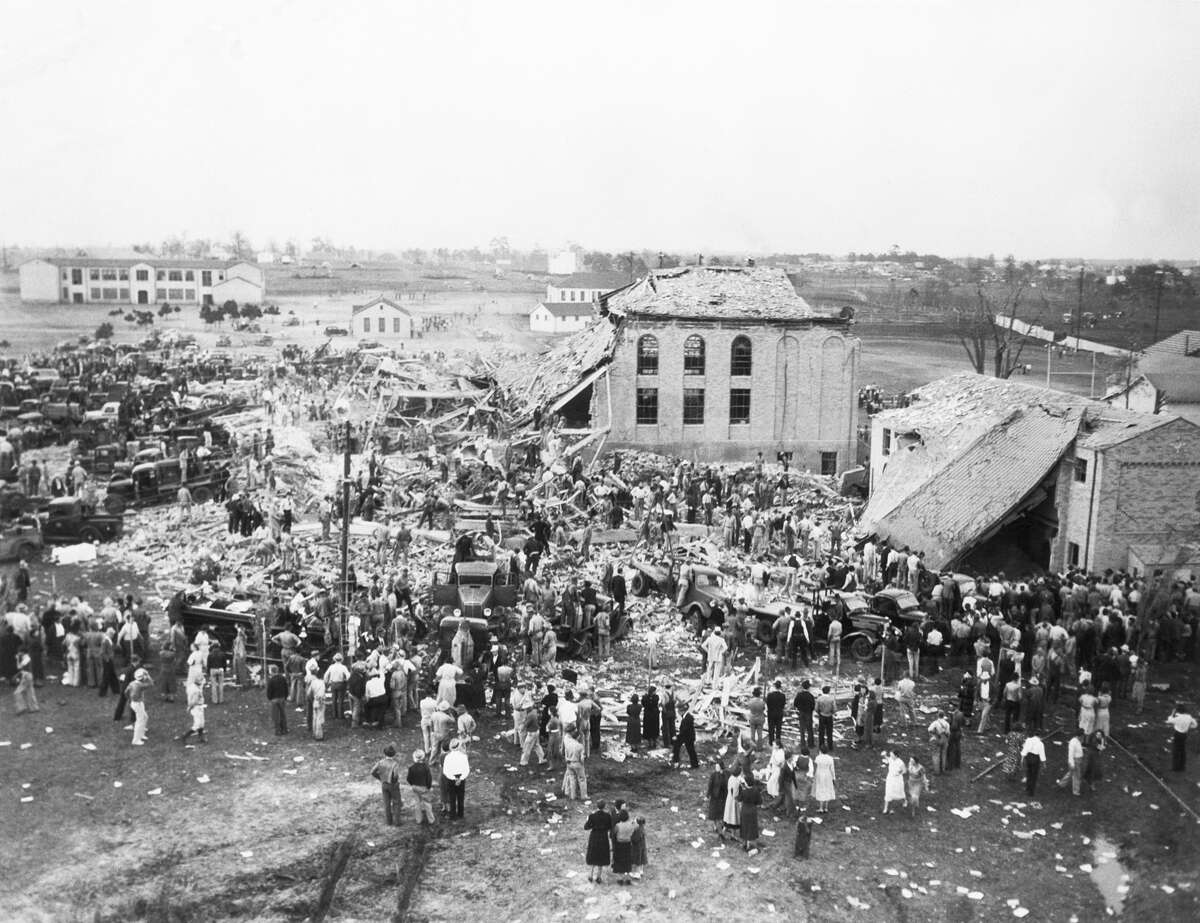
[(1042, 129)]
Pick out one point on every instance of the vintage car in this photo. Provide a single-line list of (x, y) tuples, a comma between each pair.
[(702, 602), (68, 521), (159, 482), (22, 540), (472, 587), (900, 606), (105, 460)]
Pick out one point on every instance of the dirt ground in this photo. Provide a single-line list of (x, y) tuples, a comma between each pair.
[(172, 832)]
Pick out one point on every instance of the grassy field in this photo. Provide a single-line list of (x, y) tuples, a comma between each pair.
[(903, 360)]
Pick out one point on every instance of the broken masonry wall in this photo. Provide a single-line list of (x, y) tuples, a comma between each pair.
[(1148, 492), (802, 387), (1074, 501)]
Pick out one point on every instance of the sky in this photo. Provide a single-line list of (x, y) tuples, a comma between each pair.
[(1033, 128)]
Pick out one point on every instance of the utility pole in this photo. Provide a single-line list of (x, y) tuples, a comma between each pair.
[(345, 594), (1079, 308), (1157, 301), (1092, 387), (1049, 354)]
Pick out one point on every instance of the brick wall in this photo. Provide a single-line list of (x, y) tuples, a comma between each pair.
[(803, 392), (1145, 490)]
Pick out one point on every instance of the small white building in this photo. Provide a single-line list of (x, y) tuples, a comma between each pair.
[(265, 257), (381, 319), (559, 317)]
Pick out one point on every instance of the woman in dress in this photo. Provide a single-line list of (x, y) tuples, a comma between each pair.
[(639, 848), (958, 721), (785, 801), (622, 860), (1093, 745), (448, 676), (650, 717), (71, 645), (241, 675), (966, 695), (1138, 694), (774, 767), (633, 727), (915, 784), (733, 806), (750, 798), (717, 792), (599, 854), (893, 786), (1087, 711), (803, 774), (1103, 718), (824, 780)]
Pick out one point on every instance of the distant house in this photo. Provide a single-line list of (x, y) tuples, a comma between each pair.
[(265, 257), (381, 319), (148, 280), (584, 286), (560, 317), (1164, 379)]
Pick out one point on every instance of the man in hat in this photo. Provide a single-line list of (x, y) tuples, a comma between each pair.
[(1035, 700), (420, 782), (337, 679), (195, 707), (456, 767), (686, 737), (137, 702), (387, 771), (443, 724), (277, 693)]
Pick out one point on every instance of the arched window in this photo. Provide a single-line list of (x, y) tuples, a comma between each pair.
[(647, 355), (739, 356), (693, 355)]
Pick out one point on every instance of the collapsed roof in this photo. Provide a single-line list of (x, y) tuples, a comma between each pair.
[(713, 293), (972, 453)]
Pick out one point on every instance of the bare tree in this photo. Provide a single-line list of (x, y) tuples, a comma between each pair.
[(240, 245), (986, 330)]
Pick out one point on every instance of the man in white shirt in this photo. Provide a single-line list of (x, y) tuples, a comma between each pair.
[(1182, 722), (906, 696), (1074, 773), (1033, 755), (834, 637)]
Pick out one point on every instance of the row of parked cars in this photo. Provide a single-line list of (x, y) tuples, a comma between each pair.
[(865, 618)]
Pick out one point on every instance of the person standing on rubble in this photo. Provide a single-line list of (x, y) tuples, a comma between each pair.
[(714, 648)]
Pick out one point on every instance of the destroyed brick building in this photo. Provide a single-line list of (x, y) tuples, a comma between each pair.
[(981, 473), (708, 363)]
